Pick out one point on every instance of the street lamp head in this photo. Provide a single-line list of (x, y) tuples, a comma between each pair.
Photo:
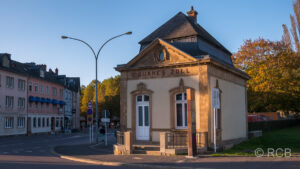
[(64, 37), (128, 33)]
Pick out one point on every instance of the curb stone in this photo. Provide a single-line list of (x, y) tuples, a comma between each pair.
[(105, 163)]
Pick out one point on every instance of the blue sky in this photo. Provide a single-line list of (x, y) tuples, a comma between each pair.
[(30, 29)]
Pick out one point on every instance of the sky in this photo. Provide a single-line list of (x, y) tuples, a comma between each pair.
[(30, 30)]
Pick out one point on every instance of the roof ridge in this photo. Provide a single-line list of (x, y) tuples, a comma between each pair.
[(207, 33), (159, 29)]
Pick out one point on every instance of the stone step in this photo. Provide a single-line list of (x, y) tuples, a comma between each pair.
[(146, 147), (154, 153)]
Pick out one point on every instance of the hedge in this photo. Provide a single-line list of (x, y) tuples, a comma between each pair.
[(272, 124)]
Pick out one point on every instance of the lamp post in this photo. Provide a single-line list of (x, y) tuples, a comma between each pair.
[(96, 59)]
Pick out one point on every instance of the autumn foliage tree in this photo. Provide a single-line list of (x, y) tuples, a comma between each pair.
[(275, 75), (108, 96)]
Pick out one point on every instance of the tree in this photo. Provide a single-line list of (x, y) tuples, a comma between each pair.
[(275, 75), (88, 95), (108, 96), (295, 28), (286, 37)]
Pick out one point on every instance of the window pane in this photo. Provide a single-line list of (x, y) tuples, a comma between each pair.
[(146, 98), (185, 114), (146, 108), (179, 115), (184, 96), (179, 96), (139, 98), (140, 109), (161, 56)]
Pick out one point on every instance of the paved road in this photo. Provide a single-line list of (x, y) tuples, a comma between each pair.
[(34, 152)]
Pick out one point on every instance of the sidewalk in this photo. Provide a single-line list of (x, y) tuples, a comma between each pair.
[(102, 155)]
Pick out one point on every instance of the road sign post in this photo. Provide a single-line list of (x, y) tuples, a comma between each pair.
[(105, 120), (216, 105), (90, 120)]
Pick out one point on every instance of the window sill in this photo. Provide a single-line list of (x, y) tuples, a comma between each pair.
[(181, 128)]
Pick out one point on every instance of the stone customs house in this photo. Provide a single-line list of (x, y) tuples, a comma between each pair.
[(179, 55)]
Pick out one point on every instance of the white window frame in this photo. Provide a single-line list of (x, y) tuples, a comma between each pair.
[(9, 122), (21, 84), (61, 92), (34, 122), (183, 102), (39, 122), (21, 122), (9, 82), (36, 87), (30, 86), (21, 102), (47, 121), (42, 88), (54, 91), (43, 121), (9, 101)]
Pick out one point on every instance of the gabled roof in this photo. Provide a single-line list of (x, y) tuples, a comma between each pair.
[(151, 46), (182, 26)]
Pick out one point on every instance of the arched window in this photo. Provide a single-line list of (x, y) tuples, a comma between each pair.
[(180, 111)]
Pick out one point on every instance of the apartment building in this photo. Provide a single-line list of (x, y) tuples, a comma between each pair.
[(33, 99), (13, 97)]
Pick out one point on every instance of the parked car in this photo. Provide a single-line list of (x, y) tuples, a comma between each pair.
[(255, 118)]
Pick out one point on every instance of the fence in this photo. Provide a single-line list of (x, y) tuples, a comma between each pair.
[(272, 125), (176, 140), (179, 140)]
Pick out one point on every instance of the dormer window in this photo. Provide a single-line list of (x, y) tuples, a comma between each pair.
[(42, 73)]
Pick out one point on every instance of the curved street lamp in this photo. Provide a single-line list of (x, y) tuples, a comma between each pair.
[(96, 59)]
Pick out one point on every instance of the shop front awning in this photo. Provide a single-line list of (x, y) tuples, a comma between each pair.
[(43, 100), (54, 101), (37, 99), (48, 100), (31, 98)]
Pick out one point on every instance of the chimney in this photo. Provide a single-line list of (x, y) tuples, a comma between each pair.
[(56, 71), (44, 67), (193, 13)]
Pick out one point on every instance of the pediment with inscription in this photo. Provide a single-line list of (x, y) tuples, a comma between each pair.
[(160, 53)]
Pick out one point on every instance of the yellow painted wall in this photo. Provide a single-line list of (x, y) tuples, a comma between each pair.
[(161, 99), (233, 107)]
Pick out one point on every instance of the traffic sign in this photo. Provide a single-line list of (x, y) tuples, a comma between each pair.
[(105, 120), (90, 105), (90, 112), (215, 98), (89, 119)]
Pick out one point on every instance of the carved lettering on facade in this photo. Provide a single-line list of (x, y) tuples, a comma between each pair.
[(162, 73)]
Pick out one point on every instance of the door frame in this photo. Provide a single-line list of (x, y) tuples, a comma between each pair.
[(141, 89), (143, 104)]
